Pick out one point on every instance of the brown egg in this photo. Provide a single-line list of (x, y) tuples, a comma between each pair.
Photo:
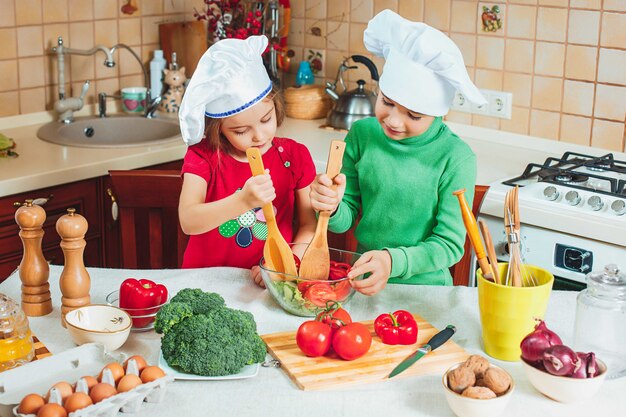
[(150, 373), (52, 410), (65, 389), (77, 401), (90, 380), (31, 403), (101, 392), (141, 363), (116, 370), (128, 382)]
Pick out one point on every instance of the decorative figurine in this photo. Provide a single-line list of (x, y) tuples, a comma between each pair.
[(172, 98)]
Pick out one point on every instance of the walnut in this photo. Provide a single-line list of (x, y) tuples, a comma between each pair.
[(477, 364), (497, 380), (480, 382), (480, 393), (460, 378)]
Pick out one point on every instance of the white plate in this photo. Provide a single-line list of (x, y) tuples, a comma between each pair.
[(247, 371)]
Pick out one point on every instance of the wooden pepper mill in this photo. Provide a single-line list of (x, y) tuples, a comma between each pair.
[(74, 282), (34, 270)]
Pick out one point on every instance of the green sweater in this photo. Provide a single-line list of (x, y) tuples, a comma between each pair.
[(403, 190)]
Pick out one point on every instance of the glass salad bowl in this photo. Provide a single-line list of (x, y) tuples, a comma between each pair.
[(143, 319), (307, 297)]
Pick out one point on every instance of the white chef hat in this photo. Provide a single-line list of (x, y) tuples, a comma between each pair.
[(230, 78), (423, 67)]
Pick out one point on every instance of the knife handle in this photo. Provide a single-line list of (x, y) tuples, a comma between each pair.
[(441, 337)]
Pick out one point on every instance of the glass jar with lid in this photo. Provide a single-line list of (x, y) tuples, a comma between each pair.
[(600, 325), (16, 341)]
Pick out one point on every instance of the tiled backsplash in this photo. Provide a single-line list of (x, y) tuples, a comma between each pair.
[(563, 60)]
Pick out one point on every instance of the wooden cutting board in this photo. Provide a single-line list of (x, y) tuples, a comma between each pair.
[(187, 39), (331, 372)]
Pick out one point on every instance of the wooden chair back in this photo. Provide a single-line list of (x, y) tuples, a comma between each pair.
[(150, 234)]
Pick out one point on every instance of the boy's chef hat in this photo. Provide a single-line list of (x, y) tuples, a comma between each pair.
[(423, 67), (229, 79)]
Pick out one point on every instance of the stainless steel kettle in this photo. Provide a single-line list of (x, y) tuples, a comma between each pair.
[(352, 105)]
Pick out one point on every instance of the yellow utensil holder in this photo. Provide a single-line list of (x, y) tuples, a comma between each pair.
[(508, 314)]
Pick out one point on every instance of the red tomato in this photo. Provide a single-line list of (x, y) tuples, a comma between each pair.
[(352, 341), (335, 317), (342, 290), (319, 293), (303, 286), (338, 270), (313, 338)]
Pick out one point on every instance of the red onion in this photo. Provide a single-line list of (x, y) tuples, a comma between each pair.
[(536, 342), (560, 360), (581, 369), (592, 365)]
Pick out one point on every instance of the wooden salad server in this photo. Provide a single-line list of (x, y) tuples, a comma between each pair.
[(315, 262), (491, 251), (277, 253)]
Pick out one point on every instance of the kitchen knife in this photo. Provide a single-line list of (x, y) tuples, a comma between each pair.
[(434, 342)]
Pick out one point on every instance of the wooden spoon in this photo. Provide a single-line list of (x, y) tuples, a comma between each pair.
[(491, 251), (315, 262), (277, 253)]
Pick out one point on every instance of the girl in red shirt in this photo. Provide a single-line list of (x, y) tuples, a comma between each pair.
[(231, 94)]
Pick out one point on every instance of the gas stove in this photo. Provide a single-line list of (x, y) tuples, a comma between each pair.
[(573, 213)]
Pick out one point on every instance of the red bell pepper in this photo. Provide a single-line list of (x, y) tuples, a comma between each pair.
[(398, 328), (140, 296)]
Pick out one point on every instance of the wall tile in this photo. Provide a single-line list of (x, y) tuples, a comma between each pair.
[(437, 14), (338, 36), (488, 79), (520, 85), (128, 64), (361, 11), (547, 93), (519, 55), (311, 40), (578, 97), (520, 117), (616, 5), (151, 7), (485, 121), (32, 100), (521, 21), (81, 35), (584, 26), (611, 66), (8, 40), (296, 32), (544, 124), (7, 17), (105, 9), (8, 69), (131, 81), (337, 11), (610, 102), (29, 41), (490, 52), (608, 135), (462, 17), (580, 62), (150, 29), (380, 5), (9, 103), (298, 7), (412, 10), (526, 1), (549, 58), (130, 31), (467, 45), (109, 86), (551, 24), (315, 9), (586, 4), (173, 6), (459, 117), (28, 12), (137, 13), (356, 39), (613, 30), (83, 9), (559, 3), (55, 11), (82, 68), (31, 72), (575, 129)]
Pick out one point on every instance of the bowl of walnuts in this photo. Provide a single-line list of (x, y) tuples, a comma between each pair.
[(476, 388)]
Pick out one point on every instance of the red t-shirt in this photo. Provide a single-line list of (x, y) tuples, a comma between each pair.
[(239, 242)]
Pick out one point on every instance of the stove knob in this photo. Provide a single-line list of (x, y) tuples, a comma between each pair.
[(619, 207), (595, 202), (572, 197), (551, 193)]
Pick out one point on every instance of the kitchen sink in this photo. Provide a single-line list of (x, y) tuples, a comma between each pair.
[(111, 132)]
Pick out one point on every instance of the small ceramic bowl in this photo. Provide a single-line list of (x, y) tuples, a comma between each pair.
[(472, 407), (562, 388), (97, 323)]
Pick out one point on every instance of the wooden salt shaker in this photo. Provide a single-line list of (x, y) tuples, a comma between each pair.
[(34, 270), (74, 282)]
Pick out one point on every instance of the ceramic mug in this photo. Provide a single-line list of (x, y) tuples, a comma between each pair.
[(134, 99)]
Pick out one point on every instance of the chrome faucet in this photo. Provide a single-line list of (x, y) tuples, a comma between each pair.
[(66, 107), (151, 104)]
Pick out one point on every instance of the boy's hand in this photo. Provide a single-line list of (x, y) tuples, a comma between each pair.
[(255, 274), (259, 190), (376, 262), (323, 197)]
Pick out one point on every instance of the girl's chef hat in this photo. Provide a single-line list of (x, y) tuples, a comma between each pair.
[(423, 67), (230, 78)]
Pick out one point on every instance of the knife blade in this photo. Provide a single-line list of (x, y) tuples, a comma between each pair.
[(434, 342)]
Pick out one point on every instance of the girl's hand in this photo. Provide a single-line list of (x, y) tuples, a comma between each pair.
[(323, 197), (255, 274), (376, 262), (259, 190)]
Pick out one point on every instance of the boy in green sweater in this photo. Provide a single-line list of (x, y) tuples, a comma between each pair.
[(401, 167)]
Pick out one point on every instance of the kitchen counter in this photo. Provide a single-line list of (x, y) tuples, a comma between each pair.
[(273, 393), (43, 164)]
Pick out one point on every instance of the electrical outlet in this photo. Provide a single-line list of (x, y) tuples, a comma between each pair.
[(460, 103), (499, 104)]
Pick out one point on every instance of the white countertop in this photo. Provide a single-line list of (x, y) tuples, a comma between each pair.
[(271, 392), (43, 164)]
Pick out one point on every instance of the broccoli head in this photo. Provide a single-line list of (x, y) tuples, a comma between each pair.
[(170, 315), (200, 302)]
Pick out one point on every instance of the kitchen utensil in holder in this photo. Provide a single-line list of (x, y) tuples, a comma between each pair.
[(33, 270), (74, 281)]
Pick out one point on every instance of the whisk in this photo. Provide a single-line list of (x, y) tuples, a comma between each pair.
[(517, 274)]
